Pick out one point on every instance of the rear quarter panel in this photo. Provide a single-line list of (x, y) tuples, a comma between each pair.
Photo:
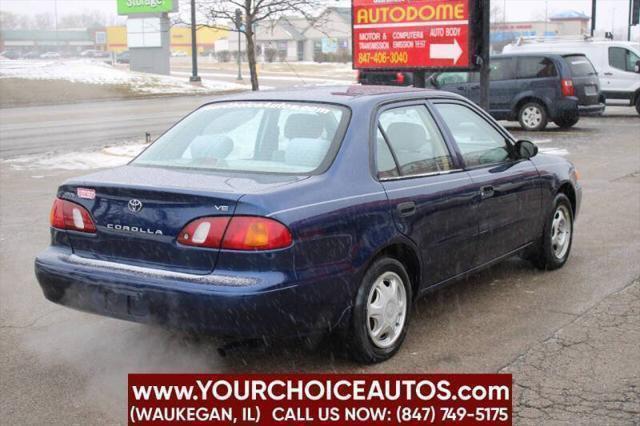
[(338, 219)]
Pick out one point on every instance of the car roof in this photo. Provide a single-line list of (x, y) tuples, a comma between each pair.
[(556, 55), (344, 95)]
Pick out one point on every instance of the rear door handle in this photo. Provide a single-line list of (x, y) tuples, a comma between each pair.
[(608, 74), (407, 209), (487, 192)]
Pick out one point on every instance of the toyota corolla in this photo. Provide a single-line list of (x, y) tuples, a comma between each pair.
[(301, 212)]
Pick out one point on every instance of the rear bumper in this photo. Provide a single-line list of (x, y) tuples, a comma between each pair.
[(213, 304), (564, 108), (591, 109)]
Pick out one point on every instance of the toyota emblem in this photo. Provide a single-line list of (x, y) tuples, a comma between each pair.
[(135, 205)]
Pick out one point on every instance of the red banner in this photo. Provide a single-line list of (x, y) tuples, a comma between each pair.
[(320, 398), (414, 34)]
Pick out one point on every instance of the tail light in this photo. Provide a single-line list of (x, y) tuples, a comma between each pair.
[(236, 233), (400, 78), (71, 216), (567, 88)]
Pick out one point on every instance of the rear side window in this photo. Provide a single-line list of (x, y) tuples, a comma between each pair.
[(580, 66), (536, 67), (622, 59), (418, 146), (502, 69)]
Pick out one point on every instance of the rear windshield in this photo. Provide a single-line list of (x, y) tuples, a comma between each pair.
[(262, 137), (580, 66)]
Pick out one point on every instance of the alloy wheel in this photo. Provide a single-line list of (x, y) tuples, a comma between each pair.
[(531, 116)]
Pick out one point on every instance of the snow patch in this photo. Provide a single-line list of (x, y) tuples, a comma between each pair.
[(112, 156), (100, 73)]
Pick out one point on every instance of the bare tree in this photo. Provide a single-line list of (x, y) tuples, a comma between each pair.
[(86, 19), (222, 14), (43, 21)]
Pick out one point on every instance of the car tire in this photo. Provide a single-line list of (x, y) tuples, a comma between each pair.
[(566, 123), (533, 116), (554, 248), (638, 104), (381, 312)]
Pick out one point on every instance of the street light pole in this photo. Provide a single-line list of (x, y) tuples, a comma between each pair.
[(55, 23), (593, 17), (194, 45), (238, 26)]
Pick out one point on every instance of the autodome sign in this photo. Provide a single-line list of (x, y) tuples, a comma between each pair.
[(131, 7)]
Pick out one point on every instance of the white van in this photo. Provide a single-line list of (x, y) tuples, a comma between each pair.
[(617, 62)]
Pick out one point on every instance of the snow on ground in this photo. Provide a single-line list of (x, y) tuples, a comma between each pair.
[(112, 156), (100, 73)]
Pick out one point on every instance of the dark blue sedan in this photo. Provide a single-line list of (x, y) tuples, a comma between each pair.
[(301, 212)]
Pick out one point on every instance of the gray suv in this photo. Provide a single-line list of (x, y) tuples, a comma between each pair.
[(533, 88)]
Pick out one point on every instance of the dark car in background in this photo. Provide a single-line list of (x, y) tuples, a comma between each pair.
[(123, 57), (385, 78), (533, 88)]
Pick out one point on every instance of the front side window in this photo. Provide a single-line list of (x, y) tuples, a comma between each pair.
[(258, 137), (622, 59), (478, 141), (416, 142), (536, 67), (452, 78)]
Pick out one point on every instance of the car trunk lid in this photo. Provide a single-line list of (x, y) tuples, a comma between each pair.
[(139, 212)]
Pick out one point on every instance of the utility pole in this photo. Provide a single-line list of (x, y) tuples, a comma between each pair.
[(55, 23), (485, 54), (238, 26), (194, 45), (630, 20), (593, 17)]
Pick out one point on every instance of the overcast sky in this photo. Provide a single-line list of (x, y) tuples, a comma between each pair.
[(610, 12)]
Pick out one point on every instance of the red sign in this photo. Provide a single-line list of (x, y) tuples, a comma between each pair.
[(412, 34)]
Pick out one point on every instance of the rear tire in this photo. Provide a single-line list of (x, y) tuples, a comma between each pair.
[(533, 116), (381, 313), (566, 123), (553, 250)]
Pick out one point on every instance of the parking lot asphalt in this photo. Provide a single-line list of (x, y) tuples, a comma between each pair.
[(569, 337)]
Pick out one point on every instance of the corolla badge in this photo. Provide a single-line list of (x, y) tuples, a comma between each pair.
[(135, 205)]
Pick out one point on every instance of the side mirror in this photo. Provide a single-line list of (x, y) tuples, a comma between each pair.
[(637, 67), (526, 149)]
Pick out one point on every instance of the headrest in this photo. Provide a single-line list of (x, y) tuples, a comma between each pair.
[(211, 146), (407, 136), (308, 126), (305, 152)]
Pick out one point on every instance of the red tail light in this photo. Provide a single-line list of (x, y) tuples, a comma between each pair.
[(71, 216), (400, 78), (567, 88), (204, 232), (236, 233)]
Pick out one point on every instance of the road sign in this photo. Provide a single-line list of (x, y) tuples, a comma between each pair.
[(131, 7), (416, 35)]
